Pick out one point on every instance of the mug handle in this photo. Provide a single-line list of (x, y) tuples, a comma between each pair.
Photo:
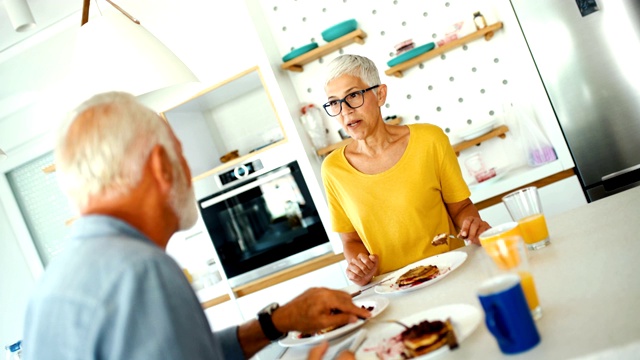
[(495, 322)]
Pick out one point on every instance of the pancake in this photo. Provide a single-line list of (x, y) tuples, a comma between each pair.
[(425, 337), (418, 275)]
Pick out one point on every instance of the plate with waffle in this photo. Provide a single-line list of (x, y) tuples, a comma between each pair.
[(431, 333), (421, 273)]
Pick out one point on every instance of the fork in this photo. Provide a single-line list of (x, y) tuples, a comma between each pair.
[(397, 322)]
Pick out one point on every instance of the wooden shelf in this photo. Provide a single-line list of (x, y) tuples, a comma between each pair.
[(500, 132), (487, 32), (295, 64), (330, 148)]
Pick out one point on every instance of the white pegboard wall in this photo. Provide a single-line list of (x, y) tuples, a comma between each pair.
[(467, 85), (445, 91)]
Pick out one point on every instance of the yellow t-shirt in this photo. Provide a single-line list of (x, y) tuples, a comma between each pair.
[(399, 211)]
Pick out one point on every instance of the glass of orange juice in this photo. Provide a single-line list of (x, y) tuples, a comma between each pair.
[(525, 207), (509, 255)]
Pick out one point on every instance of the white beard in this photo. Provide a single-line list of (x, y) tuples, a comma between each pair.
[(182, 200)]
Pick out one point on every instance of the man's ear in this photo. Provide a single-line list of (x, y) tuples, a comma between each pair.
[(161, 168)]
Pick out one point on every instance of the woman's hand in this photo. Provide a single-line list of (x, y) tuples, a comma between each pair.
[(362, 268)]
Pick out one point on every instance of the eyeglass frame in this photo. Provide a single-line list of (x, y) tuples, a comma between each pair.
[(344, 100)]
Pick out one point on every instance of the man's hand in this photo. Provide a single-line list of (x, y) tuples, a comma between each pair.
[(362, 268), (317, 309), (472, 227), (318, 352)]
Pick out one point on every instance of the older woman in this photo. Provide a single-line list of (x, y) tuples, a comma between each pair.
[(395, 187)]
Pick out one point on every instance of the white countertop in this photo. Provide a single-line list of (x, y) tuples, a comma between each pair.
[(587, 282)]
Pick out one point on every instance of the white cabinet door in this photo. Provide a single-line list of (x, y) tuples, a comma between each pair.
[(556, 198), (331, 276)]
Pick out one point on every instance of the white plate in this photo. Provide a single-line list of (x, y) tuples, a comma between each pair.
[(465, 319), (446, 263), (474, 131), (379, 303)]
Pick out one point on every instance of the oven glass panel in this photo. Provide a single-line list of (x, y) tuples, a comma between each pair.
[(262, 220)]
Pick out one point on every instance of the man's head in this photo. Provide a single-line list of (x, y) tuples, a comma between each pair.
[(104, 147), (354, 65)]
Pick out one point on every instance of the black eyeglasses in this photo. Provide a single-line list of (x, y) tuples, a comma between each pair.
[(354, 100)]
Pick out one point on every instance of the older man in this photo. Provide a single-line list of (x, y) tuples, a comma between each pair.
[(113, 293)]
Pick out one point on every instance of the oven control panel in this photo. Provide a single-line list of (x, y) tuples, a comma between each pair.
[(240, 172)]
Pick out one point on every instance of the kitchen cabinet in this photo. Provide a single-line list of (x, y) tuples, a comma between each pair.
[(398, 69), (235, 115), (356, 36)]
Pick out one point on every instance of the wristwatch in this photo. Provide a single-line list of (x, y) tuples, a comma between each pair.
[(266, 323)]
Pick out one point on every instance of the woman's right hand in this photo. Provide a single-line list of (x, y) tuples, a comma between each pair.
[(362, 268)]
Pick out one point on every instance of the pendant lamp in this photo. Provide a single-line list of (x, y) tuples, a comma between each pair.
[(115, 53), (20, 15)]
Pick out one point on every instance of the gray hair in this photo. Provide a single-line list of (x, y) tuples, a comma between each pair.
[(354, 65), (103, 146)]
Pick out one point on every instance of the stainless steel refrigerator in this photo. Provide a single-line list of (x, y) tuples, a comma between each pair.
[(588, 55)]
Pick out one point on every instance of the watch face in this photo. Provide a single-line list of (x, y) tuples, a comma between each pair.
[(270, 308)]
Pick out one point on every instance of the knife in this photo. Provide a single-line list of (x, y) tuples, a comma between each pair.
[(354, 294)]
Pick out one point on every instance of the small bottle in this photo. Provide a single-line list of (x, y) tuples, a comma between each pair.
[(481, 23), (479, 20), (14, 351)]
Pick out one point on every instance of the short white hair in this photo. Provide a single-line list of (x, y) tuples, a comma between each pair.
[(354, 65), (103, 146)]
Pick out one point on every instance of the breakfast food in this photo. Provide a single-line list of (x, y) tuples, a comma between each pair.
[(417, 275), (428, 336), (425, 337), (440, 239), (420, 339)]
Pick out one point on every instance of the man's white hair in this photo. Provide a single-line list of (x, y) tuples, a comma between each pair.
[(104, 144), (354, 65)]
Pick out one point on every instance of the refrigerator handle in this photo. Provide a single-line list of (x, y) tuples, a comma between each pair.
[(621, 178)]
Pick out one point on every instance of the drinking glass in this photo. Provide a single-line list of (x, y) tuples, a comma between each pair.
[(508, 255), (477, 168), (525, 207), (499, 231)]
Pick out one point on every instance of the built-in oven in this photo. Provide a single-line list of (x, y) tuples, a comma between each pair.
[(262, 219)]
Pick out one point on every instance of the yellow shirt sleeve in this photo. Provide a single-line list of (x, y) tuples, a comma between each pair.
[(399, 211)]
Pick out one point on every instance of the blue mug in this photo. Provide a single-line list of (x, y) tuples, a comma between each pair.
[(507, 314)]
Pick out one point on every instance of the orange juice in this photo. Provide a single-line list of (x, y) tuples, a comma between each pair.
[(500, 231), (529, 288), (533, 228)]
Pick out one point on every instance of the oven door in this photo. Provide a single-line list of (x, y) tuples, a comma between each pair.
[(262, 221)]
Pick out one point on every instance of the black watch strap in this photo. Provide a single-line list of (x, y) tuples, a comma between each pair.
[(266, 323)]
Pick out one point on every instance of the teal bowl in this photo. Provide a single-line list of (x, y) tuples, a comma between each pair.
[(299, 51), (339, 30), (411, 54)]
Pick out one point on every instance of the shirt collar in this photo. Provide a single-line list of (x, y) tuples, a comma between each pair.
[(94, 226)]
